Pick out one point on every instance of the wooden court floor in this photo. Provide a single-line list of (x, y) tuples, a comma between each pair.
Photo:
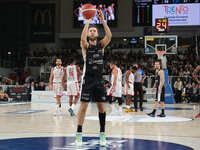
[(33, 127)]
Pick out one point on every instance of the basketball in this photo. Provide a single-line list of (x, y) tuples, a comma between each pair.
[(88, 11)]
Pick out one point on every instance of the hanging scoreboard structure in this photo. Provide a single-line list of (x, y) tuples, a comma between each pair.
[(161, 25)]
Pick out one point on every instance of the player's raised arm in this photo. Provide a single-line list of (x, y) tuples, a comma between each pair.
[(83, 42), (108, 35)]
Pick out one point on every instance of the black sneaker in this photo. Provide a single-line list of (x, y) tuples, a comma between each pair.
[(151, 114), (161, 115), (135, 109)]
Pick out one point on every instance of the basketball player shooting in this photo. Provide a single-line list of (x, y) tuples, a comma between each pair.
[(56, 83), (160, 90), (93, 83)]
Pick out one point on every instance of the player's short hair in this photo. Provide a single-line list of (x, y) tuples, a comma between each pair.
[(58, 58), (134, 68), (136, 64), (159, 61), (93, 26)]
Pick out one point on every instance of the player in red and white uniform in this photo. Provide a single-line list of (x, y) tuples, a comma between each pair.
[(129, 89), (72, 73), (116, 88), (56, 83)]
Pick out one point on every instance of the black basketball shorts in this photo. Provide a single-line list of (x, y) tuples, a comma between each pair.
[(93, 89), (161, 96)]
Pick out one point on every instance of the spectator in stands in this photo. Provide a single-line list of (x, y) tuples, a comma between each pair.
[(25, 85), (184, 91), (186, 72), (188, 92), (32, 86), (36, 86), (198, 93), (17, 84), (3, 95), (42, 68), (1, 83), (29, 91), (178, 86), (194, 92), (41, 86)]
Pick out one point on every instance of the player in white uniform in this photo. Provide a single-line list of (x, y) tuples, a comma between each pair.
[(129, 89), (72, 73), (116, 88), (56, 83)]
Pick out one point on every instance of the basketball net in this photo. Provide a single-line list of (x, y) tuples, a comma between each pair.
[(160, 54)]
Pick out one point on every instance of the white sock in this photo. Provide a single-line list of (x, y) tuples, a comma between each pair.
[(73, 106), (57, 106), (120, 109)]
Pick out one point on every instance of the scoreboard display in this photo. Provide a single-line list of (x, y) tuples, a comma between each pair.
[(161, 25), (142, 13), (145, 12)]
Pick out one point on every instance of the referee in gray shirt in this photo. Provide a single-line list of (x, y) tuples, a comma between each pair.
[(138, 91)]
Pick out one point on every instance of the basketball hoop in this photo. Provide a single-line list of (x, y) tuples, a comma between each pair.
[(160, 53)]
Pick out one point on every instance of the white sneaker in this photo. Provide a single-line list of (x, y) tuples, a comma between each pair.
[(79, 139), (102, 138), (58, 112)]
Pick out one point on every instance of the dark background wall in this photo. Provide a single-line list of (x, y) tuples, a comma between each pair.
[(14, 31)]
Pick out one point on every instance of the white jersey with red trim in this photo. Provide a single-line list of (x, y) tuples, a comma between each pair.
[(117, 92), (72, 73), (58, 74), (131, 78), (129, 90)]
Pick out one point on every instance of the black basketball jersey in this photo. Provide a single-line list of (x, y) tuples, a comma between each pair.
[(94, 60), (157, 78)]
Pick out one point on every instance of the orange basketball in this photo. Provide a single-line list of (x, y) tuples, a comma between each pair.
[(88, 11)]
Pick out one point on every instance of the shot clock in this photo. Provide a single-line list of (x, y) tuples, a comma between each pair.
[(161, 25)]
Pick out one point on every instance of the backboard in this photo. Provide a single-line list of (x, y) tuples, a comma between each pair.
[(167, 43)]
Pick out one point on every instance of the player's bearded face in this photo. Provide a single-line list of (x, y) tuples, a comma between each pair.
[(58, 62), (93, 34), (157, 65)]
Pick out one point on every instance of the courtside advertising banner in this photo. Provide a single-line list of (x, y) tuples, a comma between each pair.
[(178, 14)]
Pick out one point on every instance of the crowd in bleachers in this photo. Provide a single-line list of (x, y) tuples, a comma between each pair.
[(180, 66)]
